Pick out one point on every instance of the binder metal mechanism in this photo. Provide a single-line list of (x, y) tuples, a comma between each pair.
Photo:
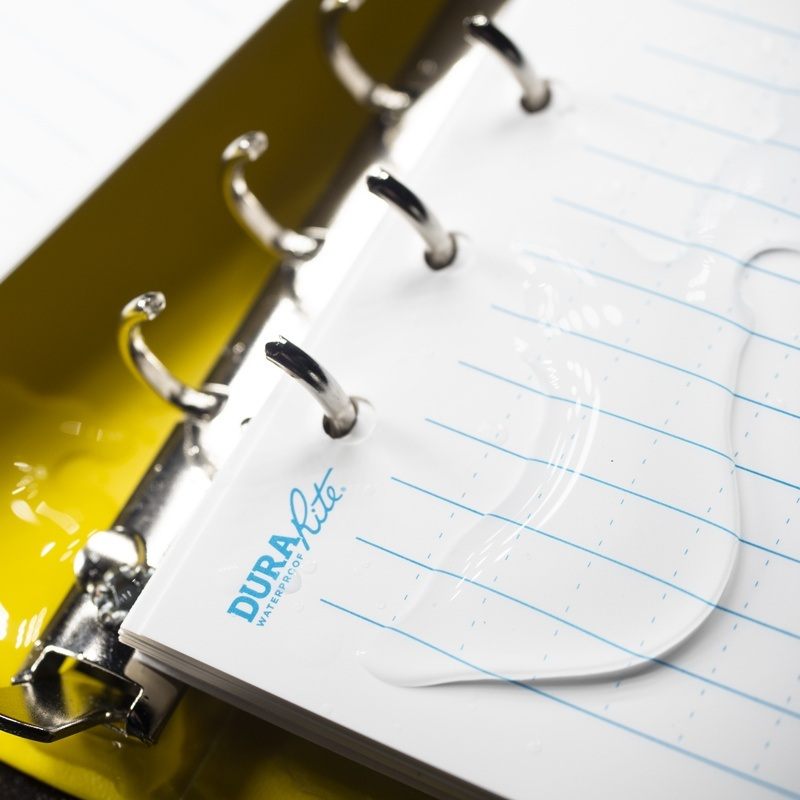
[(109, 683)]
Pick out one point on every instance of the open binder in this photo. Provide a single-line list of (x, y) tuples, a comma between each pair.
[(539, 537)]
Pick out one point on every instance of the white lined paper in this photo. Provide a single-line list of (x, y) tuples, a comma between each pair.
[(714, 717)]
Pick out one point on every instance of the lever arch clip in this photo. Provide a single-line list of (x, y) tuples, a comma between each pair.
[(108, 684), (441, 244), (341, 412), (351, 74), (143, 362), (479, 29), (248, 210), (112, 568)]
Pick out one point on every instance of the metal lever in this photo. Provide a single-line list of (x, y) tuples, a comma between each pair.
[(248, 210), (107, 684), (479, 29), (145, 365), (60, 705), (351, 74)]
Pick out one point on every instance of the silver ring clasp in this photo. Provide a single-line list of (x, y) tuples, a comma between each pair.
[(341, 411), (248, 210), (145, 365), (365, 90), (479, 29), (441, 244)]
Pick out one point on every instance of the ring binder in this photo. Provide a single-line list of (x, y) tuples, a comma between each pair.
[(442, 248), (365, 90), (479, 29), (341, 412), (250, 213), (112, 686), (198, 403)]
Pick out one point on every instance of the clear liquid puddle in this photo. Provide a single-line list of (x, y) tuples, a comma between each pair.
[(618, 526), (614, 524)]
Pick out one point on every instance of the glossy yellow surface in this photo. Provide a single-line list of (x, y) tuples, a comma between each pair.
[(78, 431)]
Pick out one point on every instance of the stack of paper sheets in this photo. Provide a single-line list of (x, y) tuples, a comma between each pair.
[(559, 555)]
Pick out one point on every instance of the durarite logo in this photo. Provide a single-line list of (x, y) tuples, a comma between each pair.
[(273, 571)]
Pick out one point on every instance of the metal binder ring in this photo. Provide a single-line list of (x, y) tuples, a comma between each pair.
[(341, 412), (351, 74), (248, 210), (441, 244), (535, 91), (145, 365)]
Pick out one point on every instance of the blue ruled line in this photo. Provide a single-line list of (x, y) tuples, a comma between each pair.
[(593, 478), (569, 704), (571, 401), (573, 265), (569, 470), (672, 176), (646, 357), (772, 478), (725, 72), (595, 212), (741, 19), (686, 119), (561, 620), (602, 556)]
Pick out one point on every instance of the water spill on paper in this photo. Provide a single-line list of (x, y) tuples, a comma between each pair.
[(608, 455)]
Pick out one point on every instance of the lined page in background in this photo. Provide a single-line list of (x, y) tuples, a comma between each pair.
[(83, 84), (575, 427)]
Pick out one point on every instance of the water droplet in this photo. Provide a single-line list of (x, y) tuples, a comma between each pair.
[(427, 67), (534, 746)]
